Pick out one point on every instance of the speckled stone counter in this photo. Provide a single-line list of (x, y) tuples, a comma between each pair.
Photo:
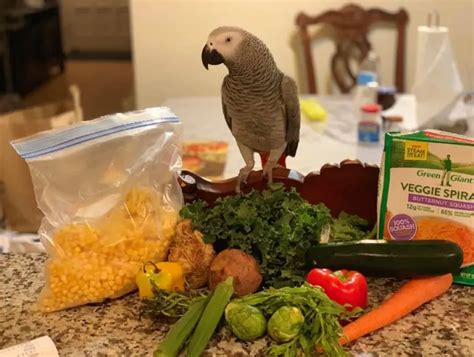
[(444, 327)]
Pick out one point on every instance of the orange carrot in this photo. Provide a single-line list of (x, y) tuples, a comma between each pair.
[(409, 297)]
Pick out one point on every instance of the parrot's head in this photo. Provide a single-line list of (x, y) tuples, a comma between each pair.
[(223, 46)]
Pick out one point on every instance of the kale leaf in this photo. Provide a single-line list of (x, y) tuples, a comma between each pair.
[(348, 227)]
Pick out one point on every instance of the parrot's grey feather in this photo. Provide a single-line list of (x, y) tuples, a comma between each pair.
[(289, 94), (256, 111), (259, 102), (227, 117)]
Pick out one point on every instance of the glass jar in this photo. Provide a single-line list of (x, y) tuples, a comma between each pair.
[(386, 96), (392, 124)]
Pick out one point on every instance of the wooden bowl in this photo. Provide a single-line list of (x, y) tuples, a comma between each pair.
[(350, 186)]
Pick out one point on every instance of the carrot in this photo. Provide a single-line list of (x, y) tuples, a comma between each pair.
[(409, 297)]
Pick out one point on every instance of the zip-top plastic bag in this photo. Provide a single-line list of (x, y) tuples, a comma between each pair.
[(108, 189)]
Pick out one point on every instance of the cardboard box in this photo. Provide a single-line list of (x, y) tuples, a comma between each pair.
[(427, 191), (17, 197)]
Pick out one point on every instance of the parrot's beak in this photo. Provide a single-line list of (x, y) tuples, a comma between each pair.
[(210, 57)]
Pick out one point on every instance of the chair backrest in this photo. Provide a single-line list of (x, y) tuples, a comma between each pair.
[(351, 25)]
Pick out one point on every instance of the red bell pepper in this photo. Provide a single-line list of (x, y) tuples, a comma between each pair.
[(342, 286)]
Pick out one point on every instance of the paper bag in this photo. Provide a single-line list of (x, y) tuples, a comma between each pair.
[(16, 194)]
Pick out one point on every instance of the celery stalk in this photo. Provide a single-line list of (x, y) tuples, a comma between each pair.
[(181, 330), (210, 318)]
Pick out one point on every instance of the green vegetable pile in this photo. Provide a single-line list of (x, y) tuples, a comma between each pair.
[(275, 226), (299, 319), (296, 319)]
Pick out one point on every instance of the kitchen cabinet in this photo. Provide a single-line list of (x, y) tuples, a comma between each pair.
[(34, 46)]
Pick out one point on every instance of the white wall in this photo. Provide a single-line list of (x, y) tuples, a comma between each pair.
[(168, 37)]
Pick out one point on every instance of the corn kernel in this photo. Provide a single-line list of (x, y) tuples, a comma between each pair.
[(98, 262)]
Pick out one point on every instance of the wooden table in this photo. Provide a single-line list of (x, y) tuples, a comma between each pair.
[(320, 143)]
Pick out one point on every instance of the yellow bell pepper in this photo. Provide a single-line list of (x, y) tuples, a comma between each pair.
[(166, 276), (176, 271)]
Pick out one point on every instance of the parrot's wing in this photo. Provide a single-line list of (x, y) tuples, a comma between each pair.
[(224, 106), (289, 94)]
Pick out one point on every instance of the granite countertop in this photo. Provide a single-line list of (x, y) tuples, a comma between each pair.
[(444, 327)]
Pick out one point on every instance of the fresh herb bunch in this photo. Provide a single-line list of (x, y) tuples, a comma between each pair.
[(170, 303), (275, 226), (321, 325)]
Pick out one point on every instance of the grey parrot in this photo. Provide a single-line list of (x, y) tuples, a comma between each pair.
[(259, 102)]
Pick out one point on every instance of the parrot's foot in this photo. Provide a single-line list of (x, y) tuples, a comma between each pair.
[(242, 178), (268, 170)]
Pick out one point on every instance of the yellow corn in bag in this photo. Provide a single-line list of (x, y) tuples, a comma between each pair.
[(94, 263), (109, 193)]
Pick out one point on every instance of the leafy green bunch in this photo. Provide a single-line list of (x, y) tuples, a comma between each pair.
[(275, 226), (321, 325)]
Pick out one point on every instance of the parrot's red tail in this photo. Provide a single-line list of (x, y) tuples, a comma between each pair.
[(264, 158)]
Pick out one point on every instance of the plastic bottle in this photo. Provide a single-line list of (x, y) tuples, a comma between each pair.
[(368, 69), (367, 82), (368, 128)]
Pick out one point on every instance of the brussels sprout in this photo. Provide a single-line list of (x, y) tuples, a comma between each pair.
[(246, 322), (285, 323)]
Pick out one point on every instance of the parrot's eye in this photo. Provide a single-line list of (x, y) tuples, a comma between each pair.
[(227, 39)]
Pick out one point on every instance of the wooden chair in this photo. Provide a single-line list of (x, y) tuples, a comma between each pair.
[(351, 25)]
